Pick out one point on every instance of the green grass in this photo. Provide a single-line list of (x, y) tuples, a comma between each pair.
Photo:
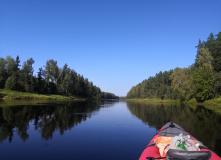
[(154, 100), (213, 104), (191, 101), (9, 94), (216, 101)]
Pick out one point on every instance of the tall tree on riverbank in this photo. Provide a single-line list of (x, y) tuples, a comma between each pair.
[(182, 83), (26, 76), (12, 73), (51, 72), (203, 77), (3, 72)]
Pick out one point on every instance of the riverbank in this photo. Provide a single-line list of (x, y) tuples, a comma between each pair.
[(216, 101), (154, 100), (9, 94)]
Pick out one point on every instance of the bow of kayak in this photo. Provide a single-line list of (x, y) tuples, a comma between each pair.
[(173, 142)]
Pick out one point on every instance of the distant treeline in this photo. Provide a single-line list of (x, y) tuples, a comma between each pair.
[(49, 80), (201, 80)]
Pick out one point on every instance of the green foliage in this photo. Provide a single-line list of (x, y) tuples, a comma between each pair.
[(10, 94), (11, 65), (106, 95), (12, 82), (182, 83), (217, 83), (203, 77), (50, 80), (201, 81), (214, 46), (51, 72), (27, 67), (154, 87), (3, 72), (204, 58)]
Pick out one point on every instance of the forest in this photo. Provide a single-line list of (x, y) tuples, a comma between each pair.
[(201, 80), (50, 79)]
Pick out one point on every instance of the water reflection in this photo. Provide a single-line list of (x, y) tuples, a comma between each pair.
[(46, 118), (202, 123)]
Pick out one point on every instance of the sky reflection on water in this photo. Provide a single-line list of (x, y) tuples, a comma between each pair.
[(89, 130)]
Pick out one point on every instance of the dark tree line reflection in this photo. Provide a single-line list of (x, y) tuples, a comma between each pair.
[(46, 118), (203, 124)]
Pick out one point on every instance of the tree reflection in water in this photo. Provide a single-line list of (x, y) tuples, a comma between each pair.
[(46, 118), (202, 123)]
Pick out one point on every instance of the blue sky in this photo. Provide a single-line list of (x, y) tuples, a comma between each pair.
[(116, 44)]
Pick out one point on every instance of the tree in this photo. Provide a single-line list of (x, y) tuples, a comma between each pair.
[(40, 86), (211, 37), (51, 75), (80, 86), (9, 72), (200, 45), (11, 66), (215, 49), (217, 83), (27, 78), (182, 83), (73, 82), (3, 72), (27, 66), (203, 76), (12, 82), (17, 62), (51, 72), (214, 46), (65, 81)]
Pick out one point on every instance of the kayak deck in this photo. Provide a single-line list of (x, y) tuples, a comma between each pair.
[(169, 131)]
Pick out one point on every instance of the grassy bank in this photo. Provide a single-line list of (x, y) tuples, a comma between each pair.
[(9, 94), (154, 100), (213, 102)]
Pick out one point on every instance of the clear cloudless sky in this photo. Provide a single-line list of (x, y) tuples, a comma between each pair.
[(116, 44)]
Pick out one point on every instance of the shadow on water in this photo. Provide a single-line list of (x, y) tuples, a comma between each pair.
[(202, 123), (46, 117)]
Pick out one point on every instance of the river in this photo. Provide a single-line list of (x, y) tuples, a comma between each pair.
[(96, 130)]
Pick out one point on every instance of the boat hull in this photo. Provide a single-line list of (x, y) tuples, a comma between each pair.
[(171, 129)]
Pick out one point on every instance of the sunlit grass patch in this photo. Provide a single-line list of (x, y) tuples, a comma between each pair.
[(9, 94), (154, 100)]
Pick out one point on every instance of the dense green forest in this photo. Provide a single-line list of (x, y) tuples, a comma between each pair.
[(49, 80), (201, 80)]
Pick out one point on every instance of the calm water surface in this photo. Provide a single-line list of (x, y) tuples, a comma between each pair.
[(96, 131)]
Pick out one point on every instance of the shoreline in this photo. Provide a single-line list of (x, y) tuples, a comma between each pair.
[(154, 100), (15, 95), (215, 101)]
